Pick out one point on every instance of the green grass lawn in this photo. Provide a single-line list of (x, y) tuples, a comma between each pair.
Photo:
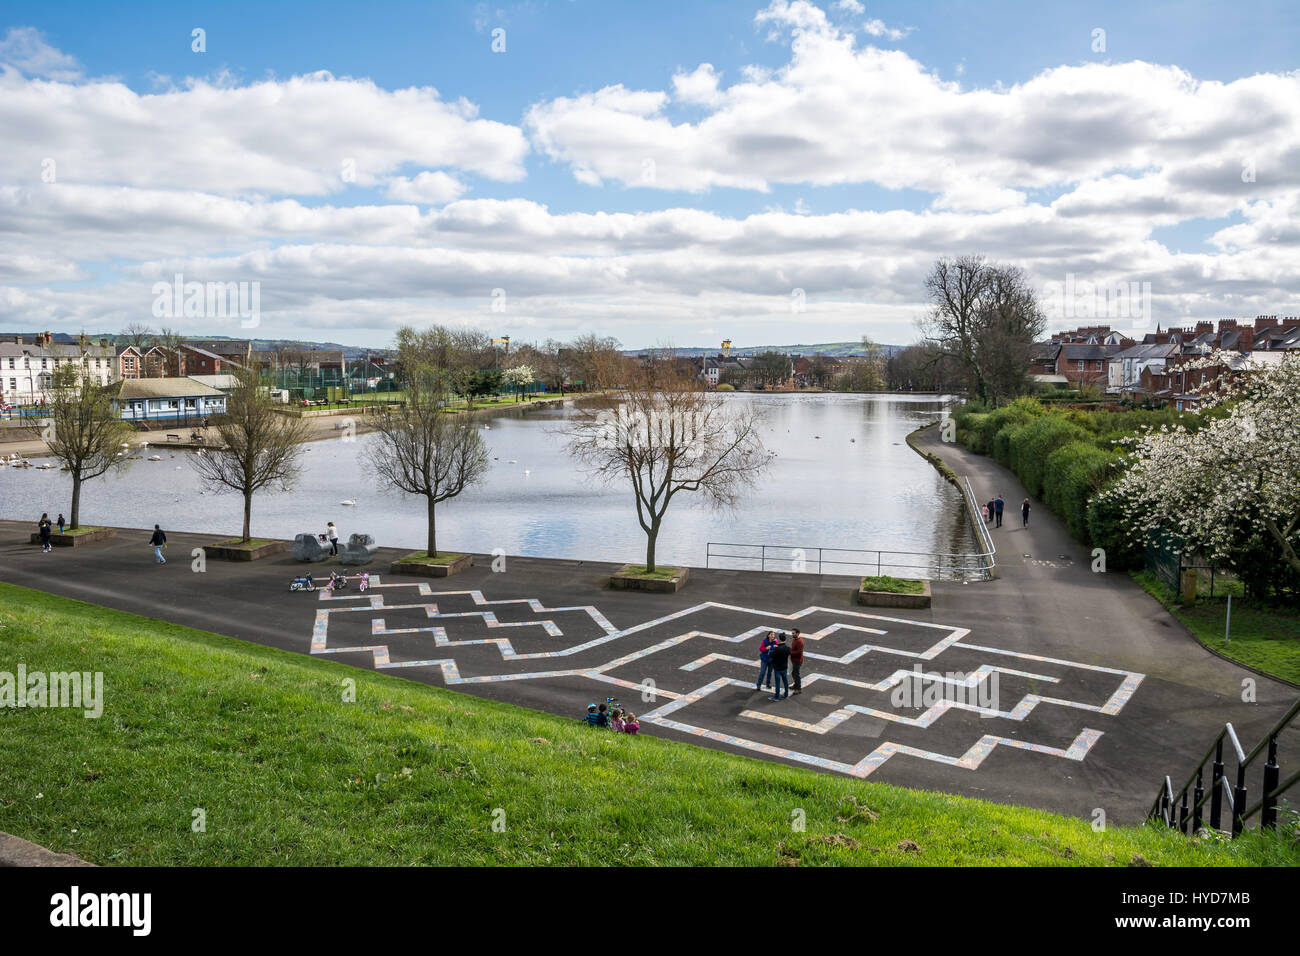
[(1263, 637), (289, 773), (639, 571), (248, 545), (81, 529), (892, 585), (422, 557)]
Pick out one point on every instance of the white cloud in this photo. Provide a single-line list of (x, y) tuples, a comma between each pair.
[(428, 188), (292, 137), (25, 50)]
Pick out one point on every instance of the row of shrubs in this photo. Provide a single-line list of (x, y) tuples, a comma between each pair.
[(1065, 458)]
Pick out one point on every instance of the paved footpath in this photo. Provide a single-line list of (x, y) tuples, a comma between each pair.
[(1099, 691)]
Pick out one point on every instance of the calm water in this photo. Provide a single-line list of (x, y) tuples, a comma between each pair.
[(843, 478)]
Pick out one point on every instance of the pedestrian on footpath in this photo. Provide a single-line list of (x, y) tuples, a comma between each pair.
[(43, 528), (61, 524), (991, 510), (765, 660), (780, 660), (1024, 514), (796, 661), (999, 504), (158, 541), (332, 533)]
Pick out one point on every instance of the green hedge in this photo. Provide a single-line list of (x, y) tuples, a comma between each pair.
[(1074, 473), (1030, 446)]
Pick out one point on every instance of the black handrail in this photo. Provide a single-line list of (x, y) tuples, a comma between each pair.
[(1173, 809)]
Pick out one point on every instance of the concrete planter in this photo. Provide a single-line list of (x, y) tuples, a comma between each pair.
[(622, 581), (432, 570), (245, 554), (891, 599), (72, 540)]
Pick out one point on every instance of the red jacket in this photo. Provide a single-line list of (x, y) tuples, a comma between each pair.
[(796, 651)]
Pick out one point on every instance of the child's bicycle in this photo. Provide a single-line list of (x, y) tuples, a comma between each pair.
[(303, 583)]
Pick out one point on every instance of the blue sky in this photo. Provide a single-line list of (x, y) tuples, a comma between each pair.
[(558, 149)]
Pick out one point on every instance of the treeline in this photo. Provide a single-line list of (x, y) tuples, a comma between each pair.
[(464, 361), (1066, 458)]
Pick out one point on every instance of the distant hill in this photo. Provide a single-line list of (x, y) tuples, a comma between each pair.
[(352, 352), (825, 348)]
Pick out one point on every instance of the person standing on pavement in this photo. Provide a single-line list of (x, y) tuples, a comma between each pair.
[(158, 542), (780, 660), (332, 533), (999, 504), (61, 524), (43, 527), (765, 661), (1024, 514), (796, 661)]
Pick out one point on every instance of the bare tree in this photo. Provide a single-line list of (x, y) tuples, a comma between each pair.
[(170, 341), (84, 430), (666, 434), (139, 335), (419, 449), (260, 447), (985, 317)]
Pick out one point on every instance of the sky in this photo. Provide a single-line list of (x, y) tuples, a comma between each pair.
[(669, 173)]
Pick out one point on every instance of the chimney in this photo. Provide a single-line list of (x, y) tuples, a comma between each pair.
[(1290, 322), (1227, 324), (1265, 322)]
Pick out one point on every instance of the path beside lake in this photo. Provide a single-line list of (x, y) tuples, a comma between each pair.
[(1100, 692)]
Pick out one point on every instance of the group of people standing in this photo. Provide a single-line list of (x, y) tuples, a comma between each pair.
[(780, 658), (993, 512)]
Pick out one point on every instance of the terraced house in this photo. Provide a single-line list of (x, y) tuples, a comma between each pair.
[(27, 366)]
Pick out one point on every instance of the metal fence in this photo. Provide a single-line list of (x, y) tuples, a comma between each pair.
[(931, 565), (936, 566)]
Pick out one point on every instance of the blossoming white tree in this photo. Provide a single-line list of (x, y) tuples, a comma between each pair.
[(1236, 472), (519, 378)]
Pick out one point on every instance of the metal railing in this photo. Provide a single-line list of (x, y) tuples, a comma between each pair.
[(933, 565), (859, 561), (1174, 808), (989, 550)]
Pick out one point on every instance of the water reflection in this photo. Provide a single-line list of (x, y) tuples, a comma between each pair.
[(843, 477)]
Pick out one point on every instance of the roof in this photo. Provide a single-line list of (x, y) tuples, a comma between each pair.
[(1148, 351), (1045, 351), (166, 388), (1074, 352)]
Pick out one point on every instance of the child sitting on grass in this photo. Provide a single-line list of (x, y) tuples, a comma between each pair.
[(590, 717), (616, 720), (630, 724)]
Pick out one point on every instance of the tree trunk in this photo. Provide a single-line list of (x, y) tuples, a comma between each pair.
[(248, 515), (76, 500), (651, 537), (432, 546)]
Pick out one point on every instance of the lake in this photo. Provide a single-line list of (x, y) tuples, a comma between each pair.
[(843, 478)]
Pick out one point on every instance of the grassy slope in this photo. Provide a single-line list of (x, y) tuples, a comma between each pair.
[(289, 774), (1264, 638)]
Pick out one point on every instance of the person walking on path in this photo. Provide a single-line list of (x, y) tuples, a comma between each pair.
[(1024, 514), (780, 660), (158, 542), (765, 661), (43, 528), (991, 510), (796, 661), (999, 504), (332, 533), (61, 524)]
